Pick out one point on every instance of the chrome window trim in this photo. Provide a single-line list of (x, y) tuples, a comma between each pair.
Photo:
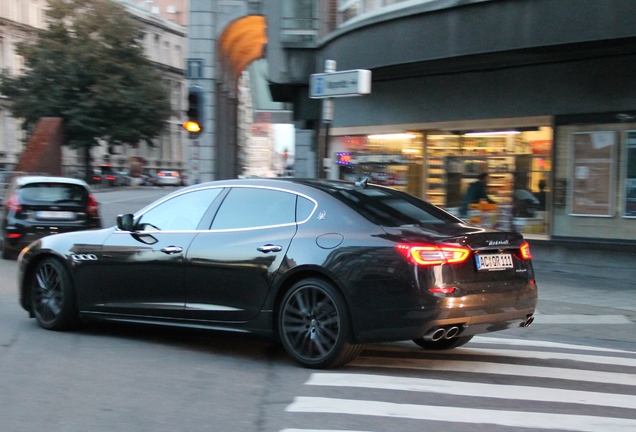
[(298, 194)]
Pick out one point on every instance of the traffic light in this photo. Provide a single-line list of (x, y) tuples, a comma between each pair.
[(194, 122)]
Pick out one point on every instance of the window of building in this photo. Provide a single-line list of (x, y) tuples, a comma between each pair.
[(299, 22), (595, 180)]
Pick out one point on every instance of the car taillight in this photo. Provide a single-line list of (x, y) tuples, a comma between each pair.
[(429, 255), (110, 178), (524, 250), (175, 174), (160, 174), (92, 208), (13, 203)]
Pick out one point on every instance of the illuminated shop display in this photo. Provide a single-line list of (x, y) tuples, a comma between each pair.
[(439, 167)]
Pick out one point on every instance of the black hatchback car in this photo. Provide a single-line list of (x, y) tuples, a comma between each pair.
[(322, 266), (37, 206)]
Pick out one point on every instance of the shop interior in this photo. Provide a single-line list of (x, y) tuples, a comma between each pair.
[(439, 166)]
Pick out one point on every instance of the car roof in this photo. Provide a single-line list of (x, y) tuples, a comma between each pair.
[(25, 180), (299, 185)]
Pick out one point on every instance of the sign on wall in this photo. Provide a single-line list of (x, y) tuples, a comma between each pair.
[(630, 174), (592, 174)]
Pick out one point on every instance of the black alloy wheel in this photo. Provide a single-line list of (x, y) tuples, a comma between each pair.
[(443, 344), (52, 296), (314, 325)]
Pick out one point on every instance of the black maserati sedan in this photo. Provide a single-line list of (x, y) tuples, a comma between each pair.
[(322, 266)]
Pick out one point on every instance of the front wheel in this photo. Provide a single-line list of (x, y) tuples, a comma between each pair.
[(52, 296), (443, 343), (314, 325)]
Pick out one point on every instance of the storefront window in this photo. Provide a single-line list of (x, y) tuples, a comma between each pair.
[(595, 181), (517, 189), (440, 167), (388, 159)]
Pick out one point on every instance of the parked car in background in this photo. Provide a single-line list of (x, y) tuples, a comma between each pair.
[(111, 176), (37, 206), (168, 178), (322, 266), (147, 179)]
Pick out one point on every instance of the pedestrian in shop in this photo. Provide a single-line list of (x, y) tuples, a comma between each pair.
[(541, 195), (476, 192)]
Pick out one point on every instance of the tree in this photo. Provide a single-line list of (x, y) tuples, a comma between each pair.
[(88, 67)]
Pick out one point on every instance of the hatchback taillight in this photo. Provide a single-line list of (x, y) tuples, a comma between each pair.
[(524, 251), (429, 254), (13, 203), (92, 208)]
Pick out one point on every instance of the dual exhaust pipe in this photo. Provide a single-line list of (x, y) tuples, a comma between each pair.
[(439, 333), (449, 332)]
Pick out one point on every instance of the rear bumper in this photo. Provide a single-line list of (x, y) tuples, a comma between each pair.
[(473, 314)]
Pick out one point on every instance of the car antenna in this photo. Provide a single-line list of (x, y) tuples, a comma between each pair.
[(362, 184)]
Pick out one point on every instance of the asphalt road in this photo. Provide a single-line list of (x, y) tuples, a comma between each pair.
[(135, 378)]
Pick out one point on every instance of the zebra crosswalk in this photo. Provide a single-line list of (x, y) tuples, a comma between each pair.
[(498, 383)]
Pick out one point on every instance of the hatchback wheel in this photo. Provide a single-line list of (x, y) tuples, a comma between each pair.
[(52, 296), (443, 343), (314, 325)]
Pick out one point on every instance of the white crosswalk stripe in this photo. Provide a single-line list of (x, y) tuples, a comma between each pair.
[(560, 400)]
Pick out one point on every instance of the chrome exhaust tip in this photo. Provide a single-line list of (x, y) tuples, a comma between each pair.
[(451, 332), (528, 322), (435, 335)]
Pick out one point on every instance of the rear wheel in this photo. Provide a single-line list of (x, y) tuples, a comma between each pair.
[(314, 325), (52, 296), (443, 343)]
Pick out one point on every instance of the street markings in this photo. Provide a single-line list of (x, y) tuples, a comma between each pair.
[(560, 398)]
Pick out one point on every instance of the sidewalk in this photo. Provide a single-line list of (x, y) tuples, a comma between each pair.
[(574, 307)]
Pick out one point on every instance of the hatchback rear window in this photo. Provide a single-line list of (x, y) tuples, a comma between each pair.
[(53, 193)]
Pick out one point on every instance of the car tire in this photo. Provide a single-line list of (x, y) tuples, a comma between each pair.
[(443, 344), (53, 299), (314, 325)]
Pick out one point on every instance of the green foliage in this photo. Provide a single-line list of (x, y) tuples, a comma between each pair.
[(88, 67)]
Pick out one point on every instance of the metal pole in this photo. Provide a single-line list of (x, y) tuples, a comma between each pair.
[(327, 117)]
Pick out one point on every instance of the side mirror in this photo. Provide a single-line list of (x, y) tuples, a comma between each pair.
[(125, 222)]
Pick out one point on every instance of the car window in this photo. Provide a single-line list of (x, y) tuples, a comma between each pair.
[(255, 207), (52, 193), (182, 212), (304, 208), (392, 208)]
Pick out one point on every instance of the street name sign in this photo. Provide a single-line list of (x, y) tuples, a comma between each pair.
[(340, 84)]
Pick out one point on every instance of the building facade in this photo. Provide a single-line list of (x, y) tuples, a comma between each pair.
[(540, 94), (165, 44)]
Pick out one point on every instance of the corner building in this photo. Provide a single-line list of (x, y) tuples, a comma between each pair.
[(535, 92)]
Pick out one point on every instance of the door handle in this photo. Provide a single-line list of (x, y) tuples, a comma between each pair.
[(270, 248), (170, 250)]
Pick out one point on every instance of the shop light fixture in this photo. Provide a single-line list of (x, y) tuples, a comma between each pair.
[(492, 133), (393, 136)]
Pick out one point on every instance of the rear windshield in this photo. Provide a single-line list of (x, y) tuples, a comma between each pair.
[(391, 208), (53, 193)]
